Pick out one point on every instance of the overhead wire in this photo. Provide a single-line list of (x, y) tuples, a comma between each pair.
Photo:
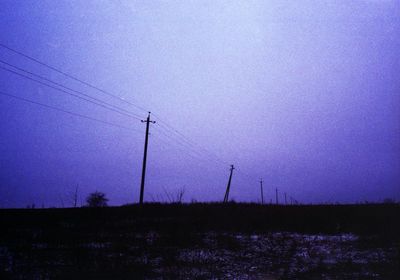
[(200, 155), (98, 103), (199, 150), (169, 141), (201, 162), (68, 88), (178, 140), (190, 142), (70, 76), (165, 125), (65, 111), (197, 146), (193, 149), (182, 143)]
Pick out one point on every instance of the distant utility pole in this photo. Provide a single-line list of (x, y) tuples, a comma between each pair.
[(291, 200), (276, 196), (76, 196), (226, 198), (146, 141), (262, 191), (285, 199)]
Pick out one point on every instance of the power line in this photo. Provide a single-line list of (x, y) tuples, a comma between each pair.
[(182, 137), (177, 134), (184, 141), (98, 103), (65, 111), (80, 115), (107, 93), (68, 88), (189, 148), (168, 134), (247, 175), (71, 77), (201, 158), (190, 142), (169, 140)]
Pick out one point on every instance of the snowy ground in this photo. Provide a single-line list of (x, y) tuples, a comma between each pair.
[(209, 255)]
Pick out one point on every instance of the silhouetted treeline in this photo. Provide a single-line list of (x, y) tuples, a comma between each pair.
[(360, 219)]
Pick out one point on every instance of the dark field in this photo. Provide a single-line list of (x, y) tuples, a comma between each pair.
[(202, 241)]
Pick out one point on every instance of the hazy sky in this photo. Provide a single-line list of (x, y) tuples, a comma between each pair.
[(304, 94)]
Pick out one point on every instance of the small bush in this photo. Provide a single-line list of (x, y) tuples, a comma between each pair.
[(97, 199)]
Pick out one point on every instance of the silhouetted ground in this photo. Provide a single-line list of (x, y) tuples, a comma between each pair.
[(202, 241)]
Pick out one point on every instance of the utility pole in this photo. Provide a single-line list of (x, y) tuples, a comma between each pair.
[(146, 141), (285, 199), (226, 198), (76, 196), (276, 196), (262, 191)]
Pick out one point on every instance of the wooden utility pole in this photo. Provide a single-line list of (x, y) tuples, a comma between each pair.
[(276, 196), (285, 199), (147, 121), (76, 196), (262, 191), (226, 198)]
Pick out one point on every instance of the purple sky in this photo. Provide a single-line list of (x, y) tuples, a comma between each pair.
[(304, 94)]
